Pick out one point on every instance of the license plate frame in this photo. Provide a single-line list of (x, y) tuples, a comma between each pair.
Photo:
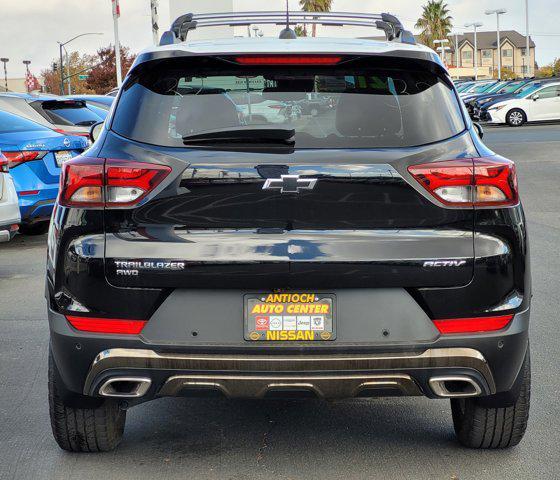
[(313, 323), (62, 156)]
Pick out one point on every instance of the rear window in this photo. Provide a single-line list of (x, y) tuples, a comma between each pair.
[(70, 113), (10, 123), (347, 106)]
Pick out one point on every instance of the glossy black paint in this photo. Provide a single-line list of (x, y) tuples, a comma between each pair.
[(373, 229)]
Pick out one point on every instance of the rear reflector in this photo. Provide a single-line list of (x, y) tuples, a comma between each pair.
[(17, 158), (288, 60), (98, 182), (468, 182), (28, 192), (472, 325), (106, 325)]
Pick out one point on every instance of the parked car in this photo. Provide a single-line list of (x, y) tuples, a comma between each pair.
[(371, 253), (9, 208), (482, 104), (478, 87), (35, 154), (99, 101), (68, 117), (542, 104)]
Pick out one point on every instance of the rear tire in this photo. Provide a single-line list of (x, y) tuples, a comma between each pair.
[(516, 117), (94, 429), (479, 426), (34, 228)]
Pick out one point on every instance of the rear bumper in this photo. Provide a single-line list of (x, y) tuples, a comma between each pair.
[(36, 208), (257, 376), (490, 361)]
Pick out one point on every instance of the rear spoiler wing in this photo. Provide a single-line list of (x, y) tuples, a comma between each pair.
[(393, 28)]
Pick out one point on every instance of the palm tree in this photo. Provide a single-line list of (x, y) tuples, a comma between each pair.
[(315, 6), (435, 22)]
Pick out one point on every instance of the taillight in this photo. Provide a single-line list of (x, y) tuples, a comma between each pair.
[(17, 158), (106, 325), (4, 166), (112, 183), (468, 182), (288, 60), (472, 325)]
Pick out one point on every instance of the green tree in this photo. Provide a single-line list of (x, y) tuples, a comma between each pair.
[(77, 63), (435, 22), (314, 6), (550, 70), (300, 31)]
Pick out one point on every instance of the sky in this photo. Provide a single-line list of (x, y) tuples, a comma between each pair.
[(31, 28)]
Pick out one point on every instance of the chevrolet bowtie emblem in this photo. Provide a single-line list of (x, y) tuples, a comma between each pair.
[(289, 184)]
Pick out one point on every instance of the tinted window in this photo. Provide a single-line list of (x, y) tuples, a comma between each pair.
[(70, 113), (10, 123), (336, 107), (548, 92)]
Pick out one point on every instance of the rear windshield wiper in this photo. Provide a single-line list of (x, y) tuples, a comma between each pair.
[(243, 136)]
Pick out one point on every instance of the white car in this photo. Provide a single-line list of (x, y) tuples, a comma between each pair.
[(9, 207), (539, 105)]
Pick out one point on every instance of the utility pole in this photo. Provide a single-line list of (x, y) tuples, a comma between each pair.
[(456, 49), (498, 12), (475, 25), (27, 74), (68, 77), (155, 27), (527, 73), (4, 61), (61, 45), (116, 15)]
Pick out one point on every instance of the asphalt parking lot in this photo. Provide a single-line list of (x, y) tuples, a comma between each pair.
[(381, 438)]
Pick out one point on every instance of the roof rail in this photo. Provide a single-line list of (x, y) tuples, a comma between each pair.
[(393, 28)]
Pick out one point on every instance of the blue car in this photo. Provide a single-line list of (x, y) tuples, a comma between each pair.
[(35, 154)]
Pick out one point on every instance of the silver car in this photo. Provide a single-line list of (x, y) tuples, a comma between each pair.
[(9, 207)]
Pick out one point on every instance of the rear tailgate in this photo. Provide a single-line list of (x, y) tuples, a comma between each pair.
[(362, 225), (355, 219)]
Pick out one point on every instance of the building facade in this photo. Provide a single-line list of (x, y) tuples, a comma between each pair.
[(461, 56)]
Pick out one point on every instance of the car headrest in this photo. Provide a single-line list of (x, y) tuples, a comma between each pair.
[(198, 113), (366, 115)]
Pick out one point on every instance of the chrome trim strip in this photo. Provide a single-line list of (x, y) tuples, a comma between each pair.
[(143, 385), (198, 364), (437, 384)]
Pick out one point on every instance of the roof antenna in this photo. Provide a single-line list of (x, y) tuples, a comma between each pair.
[(287, 33)]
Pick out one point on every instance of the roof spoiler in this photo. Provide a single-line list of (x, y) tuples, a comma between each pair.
[(393, 28)]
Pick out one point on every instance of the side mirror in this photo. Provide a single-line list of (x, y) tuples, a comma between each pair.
[(535, 97), (95, 131), (479, 130)]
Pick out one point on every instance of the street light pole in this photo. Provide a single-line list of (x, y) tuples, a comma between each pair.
[(26, 63), (527, 72), (439, 49), (116, 15), (4, 61), (498, 12), (475, 25), (60, 47), (155, 27)]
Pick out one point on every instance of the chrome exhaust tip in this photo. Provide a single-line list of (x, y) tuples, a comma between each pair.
[(125, 387), (456, 386)]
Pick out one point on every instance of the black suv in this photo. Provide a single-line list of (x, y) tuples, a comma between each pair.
[(221, 238)]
